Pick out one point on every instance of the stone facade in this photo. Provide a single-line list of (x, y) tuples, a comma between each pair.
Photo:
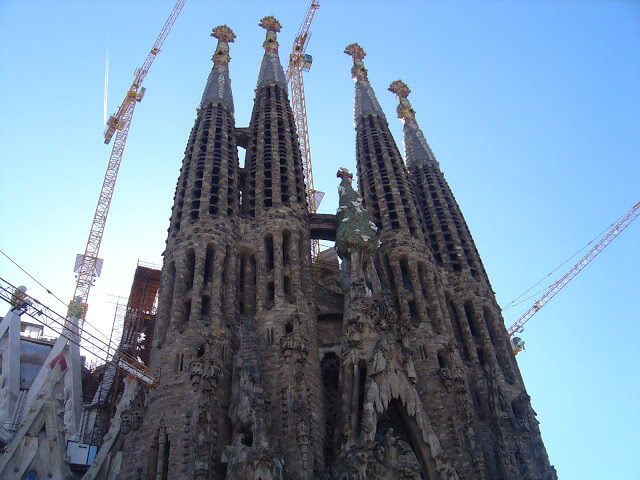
[(394, 365)]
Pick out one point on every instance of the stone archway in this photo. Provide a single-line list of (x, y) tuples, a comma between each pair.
[(398, 449)]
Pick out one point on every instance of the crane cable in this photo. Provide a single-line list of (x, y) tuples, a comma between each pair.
[(33, 278), (96, 329), (37, 310), (519, 300)]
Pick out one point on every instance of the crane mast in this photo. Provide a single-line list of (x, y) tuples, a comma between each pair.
[(88, 265), (299, 61), (555, 288)]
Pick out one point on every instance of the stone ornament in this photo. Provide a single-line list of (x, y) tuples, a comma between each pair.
[(225, 36), (206, 371), (358, 71), (272, 26), (405, 112)]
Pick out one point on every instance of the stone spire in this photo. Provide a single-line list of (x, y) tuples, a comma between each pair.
[(273, 162), (382, 175), (447, 233), (365, 100), (209, 178), (271, 71), (218, 89), (416, 148)]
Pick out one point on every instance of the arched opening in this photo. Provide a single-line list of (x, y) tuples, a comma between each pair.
[(190, 263), (268, 247), (457, 329), (398, 446), (286, 247), (208, 263), (443, 359), (471, 319), (404, 270)]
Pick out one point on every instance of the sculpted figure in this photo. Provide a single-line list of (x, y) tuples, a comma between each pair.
[(195, 372)]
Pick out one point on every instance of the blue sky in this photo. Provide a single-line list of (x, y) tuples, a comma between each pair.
[(532, 109)]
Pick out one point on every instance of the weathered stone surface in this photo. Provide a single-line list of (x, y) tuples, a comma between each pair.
[(396, 365)]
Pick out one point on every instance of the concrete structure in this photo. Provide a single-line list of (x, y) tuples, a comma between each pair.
[(271, 366), (46, 415)]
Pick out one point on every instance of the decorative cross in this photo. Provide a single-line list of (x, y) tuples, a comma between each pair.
[(405, 111), (355, 50), (225, 36), (399, 88), (272, 26), (270, 23), (358, 71)]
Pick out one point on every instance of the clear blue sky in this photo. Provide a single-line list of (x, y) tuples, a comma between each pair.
[(531, 107)]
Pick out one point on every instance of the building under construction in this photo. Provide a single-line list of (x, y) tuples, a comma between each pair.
[(45, 375), (392, 362)]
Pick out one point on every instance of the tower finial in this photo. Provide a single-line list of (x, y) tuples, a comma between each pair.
[(272, 26), (405, 112), (358, 71), (225, 36), (344, 173), (416, 148)]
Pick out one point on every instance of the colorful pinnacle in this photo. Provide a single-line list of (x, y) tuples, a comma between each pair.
[(405, 112), (270, 23), (223, 33), (399, 88), (272, 26), (358, 71), (225, 36)]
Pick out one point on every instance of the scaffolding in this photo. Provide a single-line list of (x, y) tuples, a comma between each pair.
[(137, 322)]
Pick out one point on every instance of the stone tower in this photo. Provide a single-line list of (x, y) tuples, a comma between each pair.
[(393, 363)]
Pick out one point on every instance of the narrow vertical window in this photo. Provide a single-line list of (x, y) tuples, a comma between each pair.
[(271, 294), (457, 330), (268, 247), (404, 269), (206, 305), (208, 264), (286, 247), (288, 293), (471, 319), (190, 264)]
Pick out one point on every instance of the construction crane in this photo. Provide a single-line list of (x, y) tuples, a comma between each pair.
[(88, 266), (300, 61), (517, 343)]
